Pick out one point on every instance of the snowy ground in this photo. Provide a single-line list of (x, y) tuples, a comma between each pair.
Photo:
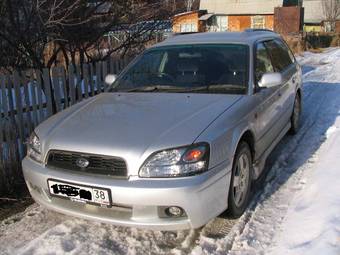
[(295, 208)]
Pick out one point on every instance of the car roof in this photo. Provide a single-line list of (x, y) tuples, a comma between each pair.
[(245, 37)]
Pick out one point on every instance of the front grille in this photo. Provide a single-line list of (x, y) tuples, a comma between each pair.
[(98, 164)]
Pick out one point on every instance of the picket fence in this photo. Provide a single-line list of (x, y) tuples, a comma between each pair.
[(28, 98)]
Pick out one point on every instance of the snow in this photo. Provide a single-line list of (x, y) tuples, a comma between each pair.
[(295, 207), (312, 225)]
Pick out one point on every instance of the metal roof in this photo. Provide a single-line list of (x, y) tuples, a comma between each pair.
[(236, 7), (246, 37)]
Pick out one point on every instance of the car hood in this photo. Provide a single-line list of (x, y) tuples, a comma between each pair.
[(132, 125)]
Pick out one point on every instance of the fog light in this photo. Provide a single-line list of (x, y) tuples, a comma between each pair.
[(174, 211)]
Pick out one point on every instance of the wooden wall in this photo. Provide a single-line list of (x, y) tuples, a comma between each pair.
[(242, 22), (188, 18)]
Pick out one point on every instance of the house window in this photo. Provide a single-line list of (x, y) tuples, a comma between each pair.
[(190, 27), (218, 23), (222, 23), (257, 22), (329, 26)]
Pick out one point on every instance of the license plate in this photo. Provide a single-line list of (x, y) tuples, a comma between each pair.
[(80, 193)]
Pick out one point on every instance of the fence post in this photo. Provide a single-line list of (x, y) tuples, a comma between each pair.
[(79, 84), (86, 79), (56, 89), (27, 103), (18, 105), (92, 79), (38, 75), (2, 116), (104, 72), (32, 89), (98, 78), (71, 83), (47, 87), (63, 80)]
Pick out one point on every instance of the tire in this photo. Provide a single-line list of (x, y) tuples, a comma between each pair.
[(295, 118), (237, 202)]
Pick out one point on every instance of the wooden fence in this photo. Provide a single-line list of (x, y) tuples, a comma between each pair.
[(28, 98)]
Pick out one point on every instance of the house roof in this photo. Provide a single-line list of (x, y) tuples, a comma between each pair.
[(185, 13), (313, 11), (236, 7), (206, 16)]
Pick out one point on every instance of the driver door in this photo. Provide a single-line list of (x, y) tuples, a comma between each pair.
[(267, 107)]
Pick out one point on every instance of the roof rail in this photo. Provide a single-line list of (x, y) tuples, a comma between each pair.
[(184, 33), (258, 30)]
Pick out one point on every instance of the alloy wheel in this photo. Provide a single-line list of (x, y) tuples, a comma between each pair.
[(241, 179)]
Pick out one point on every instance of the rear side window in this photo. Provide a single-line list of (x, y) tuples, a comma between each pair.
[(279, 54), (263, 63)]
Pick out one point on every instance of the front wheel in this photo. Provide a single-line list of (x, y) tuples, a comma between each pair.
[(295, 118), (240, 183)]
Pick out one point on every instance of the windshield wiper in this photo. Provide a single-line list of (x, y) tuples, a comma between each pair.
[(208, 88), (216, 87), (153, 88)]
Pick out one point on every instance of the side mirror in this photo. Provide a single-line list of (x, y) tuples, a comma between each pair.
[(270, 80), (110, 79)]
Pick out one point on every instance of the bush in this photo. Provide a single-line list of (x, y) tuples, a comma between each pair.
[(335, 41), (312, 41)]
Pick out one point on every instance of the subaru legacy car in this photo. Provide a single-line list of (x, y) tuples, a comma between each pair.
[(178, 138)]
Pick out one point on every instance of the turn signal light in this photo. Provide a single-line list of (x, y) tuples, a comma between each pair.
[(194, 155)]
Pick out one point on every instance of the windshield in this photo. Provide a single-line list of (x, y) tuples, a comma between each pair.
[(219, 68)]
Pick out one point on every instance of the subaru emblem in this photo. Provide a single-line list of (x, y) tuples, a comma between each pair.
[(82, 162)]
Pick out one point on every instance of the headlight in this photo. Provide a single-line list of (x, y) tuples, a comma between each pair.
[(177, 162), (34, 148)]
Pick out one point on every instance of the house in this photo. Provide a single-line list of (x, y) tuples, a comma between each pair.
[(314, 18), (188, 22), (313, 15), (236, 15)]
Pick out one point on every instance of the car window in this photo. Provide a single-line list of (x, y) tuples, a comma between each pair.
[(263, 62), (189, 66), (279, 54)]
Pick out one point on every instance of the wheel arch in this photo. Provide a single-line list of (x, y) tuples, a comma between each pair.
[(249, 138), (299, 93), (246, 136)]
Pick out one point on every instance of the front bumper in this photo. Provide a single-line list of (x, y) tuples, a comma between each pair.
[(138, 201)]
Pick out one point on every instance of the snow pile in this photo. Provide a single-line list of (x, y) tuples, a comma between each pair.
[(312, 225)]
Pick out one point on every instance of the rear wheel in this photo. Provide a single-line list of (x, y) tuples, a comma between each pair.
[(240, 183), (295, 118)]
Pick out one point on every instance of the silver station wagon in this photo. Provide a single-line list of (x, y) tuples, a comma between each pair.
[(178, 138)]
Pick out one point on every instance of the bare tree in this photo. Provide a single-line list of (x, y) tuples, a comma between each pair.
[(35, 33), (331, 11), (189, 4)]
